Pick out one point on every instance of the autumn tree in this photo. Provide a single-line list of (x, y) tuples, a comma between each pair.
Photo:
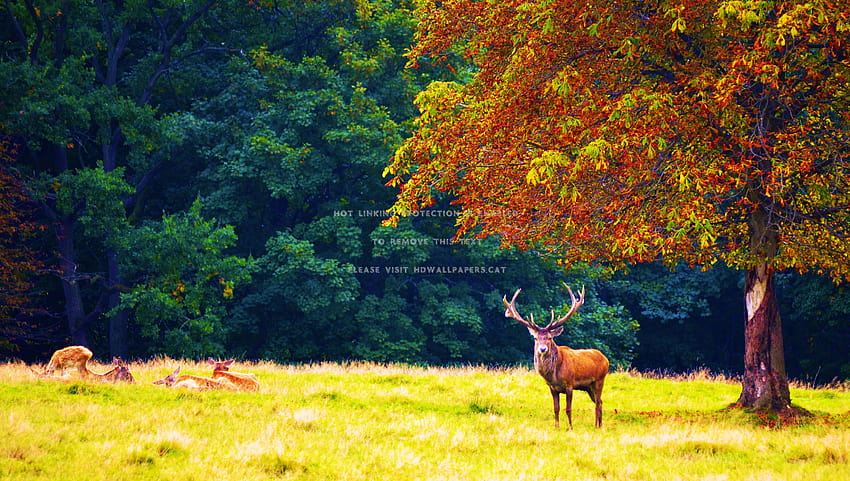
[(625, 132), (20, 262)]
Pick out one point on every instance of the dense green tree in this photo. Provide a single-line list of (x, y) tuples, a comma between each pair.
[(818, 333), (688, 318), (290, 153), (86, 80), (180, 279)]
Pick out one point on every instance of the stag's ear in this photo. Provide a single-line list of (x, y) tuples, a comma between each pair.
[(557, 331), (532, 331)]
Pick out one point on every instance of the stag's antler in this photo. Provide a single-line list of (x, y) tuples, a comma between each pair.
[(512, 312), (576, 303)]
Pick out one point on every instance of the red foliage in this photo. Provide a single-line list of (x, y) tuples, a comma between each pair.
[(632, 131), (19, 261)]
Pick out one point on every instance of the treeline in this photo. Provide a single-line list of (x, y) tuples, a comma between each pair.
[(205, 178)]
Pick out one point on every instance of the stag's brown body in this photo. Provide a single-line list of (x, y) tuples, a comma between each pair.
[(564, 369)]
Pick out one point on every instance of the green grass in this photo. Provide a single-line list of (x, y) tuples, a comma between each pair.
[(369, 422)]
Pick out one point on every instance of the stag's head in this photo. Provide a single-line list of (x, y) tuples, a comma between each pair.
[(544, 336)]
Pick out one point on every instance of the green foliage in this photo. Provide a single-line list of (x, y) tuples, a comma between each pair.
[(451, 317), (47, 105), (688, 318), (816, 327), (315, 284), (670, 296), (295, 301), (402, 245), (182, 282), (337, 234), (385, 333), (95, 198)]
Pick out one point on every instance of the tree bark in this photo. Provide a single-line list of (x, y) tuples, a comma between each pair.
[(119, 337), (765, 384), (74, 309), (77, 320)]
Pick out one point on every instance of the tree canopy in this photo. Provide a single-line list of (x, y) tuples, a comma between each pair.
[(629, 131)]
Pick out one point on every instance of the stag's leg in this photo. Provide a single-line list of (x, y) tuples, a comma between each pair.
[(595, 392), (569, 397), (556, 401)]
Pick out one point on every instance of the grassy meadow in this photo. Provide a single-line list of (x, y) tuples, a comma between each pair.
[(372, 422)]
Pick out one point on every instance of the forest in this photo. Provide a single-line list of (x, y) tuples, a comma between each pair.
[(201, 178)]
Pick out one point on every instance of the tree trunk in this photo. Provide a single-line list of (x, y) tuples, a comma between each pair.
[(765, 384), (77, 321), (119, 320), (74, 309)]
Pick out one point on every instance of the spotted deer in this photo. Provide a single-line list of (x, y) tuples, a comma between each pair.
[(194, 383), (243, 381), (562, 368), (77, 358), (121, 372), (71, 357)]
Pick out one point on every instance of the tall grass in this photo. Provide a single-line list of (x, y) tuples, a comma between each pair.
[(371, 422)]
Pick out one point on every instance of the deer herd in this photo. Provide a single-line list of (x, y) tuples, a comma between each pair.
[(564, 369), (77, 358)]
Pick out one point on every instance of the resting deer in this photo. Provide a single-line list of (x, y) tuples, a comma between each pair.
[(243, 381), (68, 358), (121, 372), (78, 357), (562, 368), (194, 383)]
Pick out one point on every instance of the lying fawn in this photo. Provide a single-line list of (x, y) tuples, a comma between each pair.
[(194, 383), (121, 372), (243, 381)]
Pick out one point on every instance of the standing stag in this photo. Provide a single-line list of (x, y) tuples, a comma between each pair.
[(562, 368)]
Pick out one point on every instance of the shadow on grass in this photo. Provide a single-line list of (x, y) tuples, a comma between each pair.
[(731, 415)]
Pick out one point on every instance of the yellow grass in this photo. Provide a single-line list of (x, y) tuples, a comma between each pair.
[(366, 421)]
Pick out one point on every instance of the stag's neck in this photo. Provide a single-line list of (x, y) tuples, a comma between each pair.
[(547, 366)]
